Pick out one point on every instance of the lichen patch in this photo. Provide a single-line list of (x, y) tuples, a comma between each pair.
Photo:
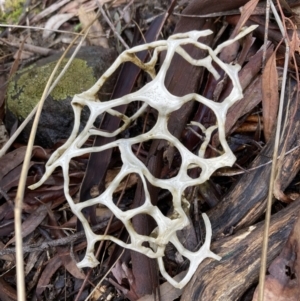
[(25, 91)]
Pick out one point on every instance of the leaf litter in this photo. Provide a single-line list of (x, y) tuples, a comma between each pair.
[(47, 218)]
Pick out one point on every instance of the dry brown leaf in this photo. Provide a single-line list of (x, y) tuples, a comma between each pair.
[(9, 161), (31, 260), (282, 283), (112, 173), (12, 179), (247, 127), (64, 252), (31, 222), (270, 97), (167, 291), (54, 23), (96, 34), (295, 42), (69, 263), (53, 265), (7, 292), (247, 11), (7, 257), (10, 165), (17, 58), (103, 213), (22, 55)]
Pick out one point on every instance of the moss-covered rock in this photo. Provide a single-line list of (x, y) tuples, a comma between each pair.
[(10, 12), (26, 88)]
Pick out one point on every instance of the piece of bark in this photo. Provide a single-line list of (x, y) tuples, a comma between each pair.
[(245, 202), (274, 35), (252, 95), (282, 282), (238, 269), (288, 170)]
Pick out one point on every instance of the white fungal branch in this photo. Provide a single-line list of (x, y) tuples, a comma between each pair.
[(156, 95)]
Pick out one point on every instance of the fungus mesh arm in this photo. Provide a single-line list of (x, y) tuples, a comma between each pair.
[(156, 95)]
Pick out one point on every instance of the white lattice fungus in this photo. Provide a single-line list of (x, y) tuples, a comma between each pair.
[(156, 95)]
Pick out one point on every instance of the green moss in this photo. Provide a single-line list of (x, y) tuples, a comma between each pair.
[(13, 11), (26, 89)]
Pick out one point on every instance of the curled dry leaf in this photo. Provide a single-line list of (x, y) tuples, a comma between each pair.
[(112, 173), (282, 283), (7, 292), (247, 11), (11, 160), (54, 23), (53, 265), (69, 263), (295, 42), (31, 222), (96, 35), (32, 259), (270, 99)]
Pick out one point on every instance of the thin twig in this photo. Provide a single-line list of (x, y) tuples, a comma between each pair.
[(212, 15), (220, 173), (32, 48), (52, 243), (263, 267), (42, 28), (266, 33), (112, 25)]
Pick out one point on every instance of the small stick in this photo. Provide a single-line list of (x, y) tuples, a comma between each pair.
[(263, 267), (111, 25)]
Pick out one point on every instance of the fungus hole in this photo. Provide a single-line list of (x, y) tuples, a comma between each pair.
[(77, 165), (201, 135), (165, 202), (125, 189), (99, 215), (108, 90), (175, 261), (175, 87), (143, 219), (194, 172), (170, 163), (141, 124), (145, 225)]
